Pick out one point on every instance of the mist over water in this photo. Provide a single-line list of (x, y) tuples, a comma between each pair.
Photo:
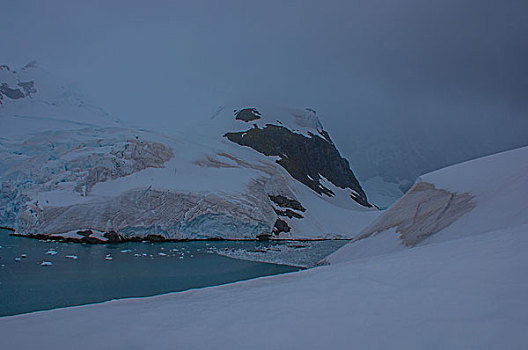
[(403, 87)]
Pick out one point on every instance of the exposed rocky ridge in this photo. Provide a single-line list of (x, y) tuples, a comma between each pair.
[(247, 114), (280, 226), (24, 89), (306, 158), (288, 213), (285, 202), (15, 90)]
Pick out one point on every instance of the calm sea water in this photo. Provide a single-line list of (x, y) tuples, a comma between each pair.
[(39, 275)]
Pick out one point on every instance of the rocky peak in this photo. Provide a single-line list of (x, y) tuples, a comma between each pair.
[(309, 158), (14, 87), (247, 114)]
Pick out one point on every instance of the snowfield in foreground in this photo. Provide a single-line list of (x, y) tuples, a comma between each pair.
[(466, 293), (444, 281), (481, 195)]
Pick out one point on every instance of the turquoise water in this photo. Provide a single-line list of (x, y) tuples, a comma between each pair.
[(105, 272)]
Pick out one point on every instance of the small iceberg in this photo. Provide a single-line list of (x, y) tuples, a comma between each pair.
[(46, 263), (51, 252), (74, 257)]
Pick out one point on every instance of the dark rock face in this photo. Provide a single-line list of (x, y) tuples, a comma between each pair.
[(155, 238), (305, 158), (113, 236), (90, 240), (289, 204), (288, 213), (85, 233), (247, 114), (13, 94), (264, 237), (280, 226), (28, 88), (285, 202)]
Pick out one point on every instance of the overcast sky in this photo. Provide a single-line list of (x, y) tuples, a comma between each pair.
[(441, 67)]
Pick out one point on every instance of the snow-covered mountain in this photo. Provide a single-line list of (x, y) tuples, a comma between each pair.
[(70, 170), (479, 196)]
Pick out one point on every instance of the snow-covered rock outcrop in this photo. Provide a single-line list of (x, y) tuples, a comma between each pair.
[(258, 172), (483, 195)]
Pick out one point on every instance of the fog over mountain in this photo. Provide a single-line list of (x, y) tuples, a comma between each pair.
[(403, 87)]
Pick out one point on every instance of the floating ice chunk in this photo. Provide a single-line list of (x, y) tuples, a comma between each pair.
[(74, 257), (162, 254), (126, 251), (46, 263), (108, 258), (17, 259), (137, 254), (23, 256), (51, 252)]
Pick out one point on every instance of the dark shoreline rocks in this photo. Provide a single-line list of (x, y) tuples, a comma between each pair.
[(262, 237)]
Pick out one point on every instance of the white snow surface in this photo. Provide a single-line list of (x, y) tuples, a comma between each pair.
[(468, 293), (496, 184)]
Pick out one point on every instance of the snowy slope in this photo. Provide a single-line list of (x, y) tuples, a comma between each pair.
[(482, 195), (460, 294), (67, 166)]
